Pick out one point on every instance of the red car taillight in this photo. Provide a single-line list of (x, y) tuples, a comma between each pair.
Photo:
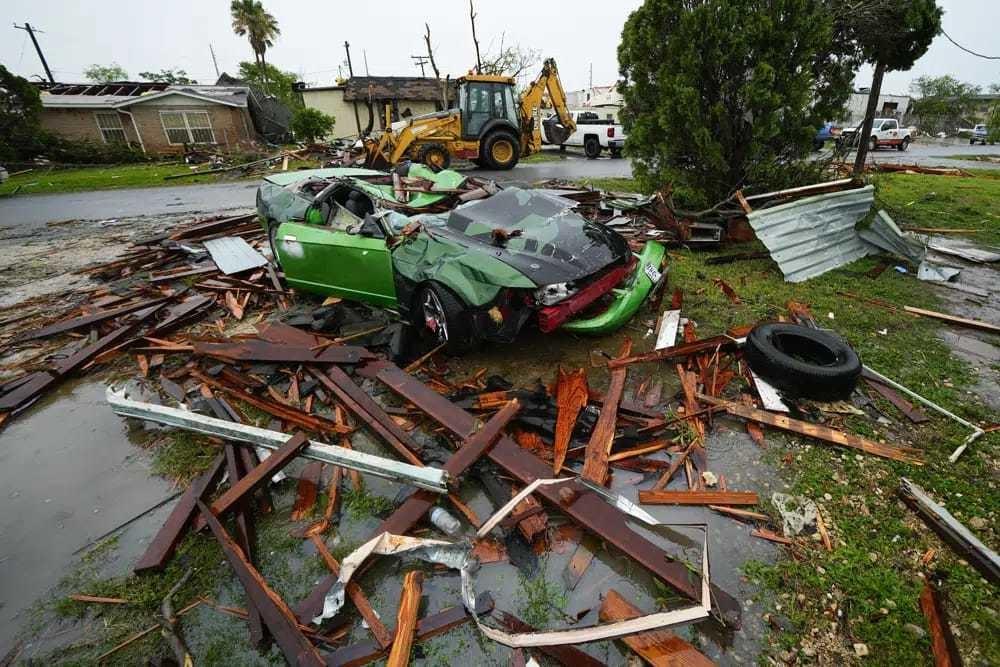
[(611, 132)]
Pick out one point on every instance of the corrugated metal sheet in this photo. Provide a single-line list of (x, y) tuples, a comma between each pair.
[(232, 254), (811, 236), (884, 233)]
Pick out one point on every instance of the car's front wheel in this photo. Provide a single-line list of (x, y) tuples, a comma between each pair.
[(441, 318), (905, 144)]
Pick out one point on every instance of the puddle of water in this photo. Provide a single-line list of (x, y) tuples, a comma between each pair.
[(68, 474)]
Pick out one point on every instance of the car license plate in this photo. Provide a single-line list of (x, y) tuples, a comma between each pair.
[(652, 273)]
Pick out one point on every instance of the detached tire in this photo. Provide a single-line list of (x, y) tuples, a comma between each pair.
[(441, 318), (803, 362)]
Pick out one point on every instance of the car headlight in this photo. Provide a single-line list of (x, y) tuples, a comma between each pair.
[(554, 293)]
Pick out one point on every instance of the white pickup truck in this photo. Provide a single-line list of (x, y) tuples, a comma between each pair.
[(886, 132), (594, 133)]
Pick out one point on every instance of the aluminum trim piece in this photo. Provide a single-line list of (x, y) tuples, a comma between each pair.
[(432, 479), (233, 254), (811, 236)]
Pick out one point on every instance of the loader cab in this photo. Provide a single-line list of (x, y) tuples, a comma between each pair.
[(485, 102)]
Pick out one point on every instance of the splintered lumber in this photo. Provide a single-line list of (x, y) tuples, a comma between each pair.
[(80, 597), (739, 514), (647, 448), (277, 616), (589, 510), (431, 626), (86, 320), (900, 403), (571, 398), (332, 497), (406, 619), (660, 648), (259, 476), (353, 590), (595, 467), (677, 352), (307, 490), (954, 319), (698, 498), (260, 350), (770, 536), (162, 547), (905, 454), (367, 410), (579, 562), (565, 654), (481, 441), (943, 644)]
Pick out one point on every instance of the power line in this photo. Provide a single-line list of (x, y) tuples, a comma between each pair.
[(979, 55)]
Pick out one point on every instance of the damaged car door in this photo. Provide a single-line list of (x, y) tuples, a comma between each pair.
[(339, 248)]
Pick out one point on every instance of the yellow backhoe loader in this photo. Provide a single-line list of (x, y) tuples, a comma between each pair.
[(492, 126)]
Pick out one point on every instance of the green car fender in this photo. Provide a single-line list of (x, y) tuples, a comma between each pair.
[(475, 277), (627, 298)]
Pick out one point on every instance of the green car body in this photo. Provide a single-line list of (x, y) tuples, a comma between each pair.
[(336, 232)]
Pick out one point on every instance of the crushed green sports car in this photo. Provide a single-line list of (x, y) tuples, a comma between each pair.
[(480, 271)]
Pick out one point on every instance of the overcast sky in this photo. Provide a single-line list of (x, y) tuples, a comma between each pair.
[(143, 36)]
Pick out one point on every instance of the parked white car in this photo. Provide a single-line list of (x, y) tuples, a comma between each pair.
[(594, 133), (886, 133), (980, 134)]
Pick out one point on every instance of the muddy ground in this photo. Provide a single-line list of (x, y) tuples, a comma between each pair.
[(72, 472)]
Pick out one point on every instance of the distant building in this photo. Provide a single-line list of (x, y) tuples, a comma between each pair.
[(158, 118), (889, 106), (350, 102), (598, 96), (984, 106)]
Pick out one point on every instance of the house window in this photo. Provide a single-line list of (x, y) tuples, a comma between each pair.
[(110, 125), (187, 127)]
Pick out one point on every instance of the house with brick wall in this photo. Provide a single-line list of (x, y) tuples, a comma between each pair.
[(158, 118)]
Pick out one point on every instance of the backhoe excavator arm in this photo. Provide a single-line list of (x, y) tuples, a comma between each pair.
[(559, 131)]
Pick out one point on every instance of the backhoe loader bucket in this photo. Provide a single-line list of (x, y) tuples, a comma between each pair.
[(555, 131)]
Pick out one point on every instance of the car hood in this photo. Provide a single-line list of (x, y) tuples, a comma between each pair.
[(547, 241)]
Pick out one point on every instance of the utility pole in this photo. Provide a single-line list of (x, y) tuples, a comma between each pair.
[(350, 71), (364, 53), (31, 33), (420, 60), (214, 61)]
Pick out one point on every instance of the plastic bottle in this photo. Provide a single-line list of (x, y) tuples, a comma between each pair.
[(445, 521)]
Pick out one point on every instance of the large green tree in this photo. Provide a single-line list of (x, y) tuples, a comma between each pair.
[(20, 106), (171, 76), (891, 35), (942, 102), (275, 82), (106, 73), (726, 94), (252, 21), (311, 124)]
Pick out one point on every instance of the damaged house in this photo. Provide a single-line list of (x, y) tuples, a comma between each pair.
[(158, 118)]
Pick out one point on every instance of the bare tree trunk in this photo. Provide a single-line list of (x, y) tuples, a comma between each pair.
[(866, 128), (437, 74), (472, 19)]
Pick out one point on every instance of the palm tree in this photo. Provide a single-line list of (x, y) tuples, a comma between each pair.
[(252, 20)]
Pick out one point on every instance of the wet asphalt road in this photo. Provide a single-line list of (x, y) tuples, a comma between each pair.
[(26, 213)]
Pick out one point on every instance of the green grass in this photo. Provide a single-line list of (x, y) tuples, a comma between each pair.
[(544, 156), (541, 601), (989, 157), (360, 503), (954, 202), (45, 180)]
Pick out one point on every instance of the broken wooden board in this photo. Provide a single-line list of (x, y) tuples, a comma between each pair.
[(825, 433), (579, 562), (660, 648), (908, 409), (277, 616), (595, 467), (667, 334), (307, 490), (259, 350), (943, 645), (698, 498), (677, 352), (571, 398), (954, 319), (406, 619)]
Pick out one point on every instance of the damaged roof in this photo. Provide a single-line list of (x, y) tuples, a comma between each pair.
[(123, 94), (395, 88)]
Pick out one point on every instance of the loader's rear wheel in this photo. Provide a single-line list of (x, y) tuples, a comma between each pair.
[(435, 156), (501, 151)]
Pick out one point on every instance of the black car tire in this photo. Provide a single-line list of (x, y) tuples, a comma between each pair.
[(486, 151), (873, 144), (903, 145), (616, 153), (458, 332), (972, 142), (803, 362), (592, 148), (435, 156), (272, 237)]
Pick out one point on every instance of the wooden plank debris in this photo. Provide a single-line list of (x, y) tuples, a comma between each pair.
[(80, 597), (595, 467), (406, 619), (571, 398), (84, 321), (660, 648), (163, 544), (771, 536), (564, 654), (908, 409), (579, 562), (307, 490), (825, 433), (698, 498), (954, 319), (277, 616), (677, 352), (666, 336), (259, 350), (943, 645)]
